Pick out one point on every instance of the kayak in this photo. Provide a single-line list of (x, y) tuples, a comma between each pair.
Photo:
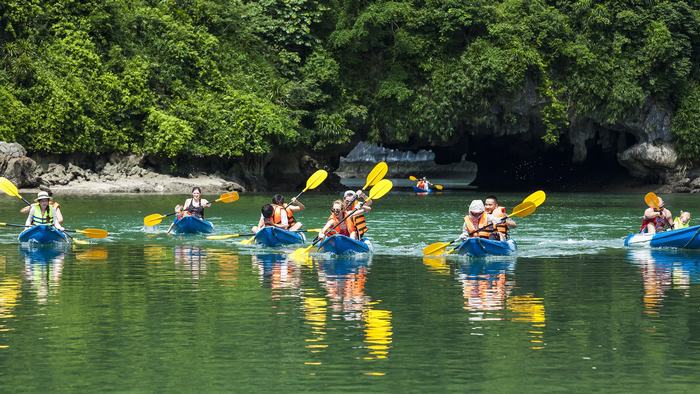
[(341, 244), (273, 236), (685, 238), (42, 234), (419, 190), (192, 225), (480, 247)]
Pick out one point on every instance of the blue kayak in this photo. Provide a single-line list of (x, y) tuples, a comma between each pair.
[(42, 234), (419, 190), (192, 225), (685, 238), (341, 244), (274, 236), (480, 247)]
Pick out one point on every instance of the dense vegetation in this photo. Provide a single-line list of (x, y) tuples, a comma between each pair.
[(227, 78)]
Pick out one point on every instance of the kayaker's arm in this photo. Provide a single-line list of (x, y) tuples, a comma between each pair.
[(59, 215), (296, 205), (28, 222), (322, 233), (205, 203)]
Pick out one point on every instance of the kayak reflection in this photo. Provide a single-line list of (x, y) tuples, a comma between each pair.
[(663, 270), (277, 272), (485, 287), (42, 269)]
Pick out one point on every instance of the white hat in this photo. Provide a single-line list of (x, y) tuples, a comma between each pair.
[(42, 196), (349, 193), (476, 206)]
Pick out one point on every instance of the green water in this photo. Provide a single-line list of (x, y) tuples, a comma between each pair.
[(574, 310)]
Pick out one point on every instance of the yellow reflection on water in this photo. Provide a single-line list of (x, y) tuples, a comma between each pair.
[(378, 333), (9, 293), (530, 309), (155, 254), (96, 253), (315, 310), (437, 264), (228, 267)]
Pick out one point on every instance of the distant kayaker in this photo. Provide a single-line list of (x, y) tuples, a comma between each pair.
[(478, 223), (681, 221), (424, 184), (41, 212), (194, 206), (334, 225), (492, 207), (656, 219), (282, 209), (54, 204)]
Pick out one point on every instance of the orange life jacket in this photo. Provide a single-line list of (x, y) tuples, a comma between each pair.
[(422, 185), (346, 228), (485, 232), (500, 213), (277, 215), (358, 220)]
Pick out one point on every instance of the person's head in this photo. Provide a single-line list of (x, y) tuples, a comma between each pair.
[(196, 192), (490, 203), (349, 195), (337, 208), (685, 217), (476, 208), (267, 211), (43, 198), (278, 199)]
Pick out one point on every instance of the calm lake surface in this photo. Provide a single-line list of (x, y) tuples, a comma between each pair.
[(575, 310)]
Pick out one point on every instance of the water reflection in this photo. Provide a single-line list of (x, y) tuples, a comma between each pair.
[(278, 272), (485, 287), (192, 259), (42, 269), (663, 270), (530, 309), (9, 294)]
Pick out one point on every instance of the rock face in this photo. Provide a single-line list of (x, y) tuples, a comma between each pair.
[(359, 162), (16, 166), (648, 159)]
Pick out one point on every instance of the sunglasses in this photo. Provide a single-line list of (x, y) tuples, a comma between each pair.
[(335, 210)]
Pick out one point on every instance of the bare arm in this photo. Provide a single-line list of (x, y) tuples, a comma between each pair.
[(28, 222)]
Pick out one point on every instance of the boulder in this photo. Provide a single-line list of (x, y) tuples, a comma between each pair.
[(649, 160), (16, 166)]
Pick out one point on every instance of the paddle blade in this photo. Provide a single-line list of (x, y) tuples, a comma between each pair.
[(248, 241), (316, 179), (94, 232), (228, 197), (376, 174), (536, 198), (9, 188), (652, 200), (153, 220), (380, 189), (439, 187), (412, 178), (435, 248), (313, 230), (223, 236), (301, 254), (523, 209)]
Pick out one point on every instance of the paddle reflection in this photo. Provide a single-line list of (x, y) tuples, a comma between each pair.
[(485, 287), (42, 270), (530, 309), (437, 264), (663, 270), (9, 294)]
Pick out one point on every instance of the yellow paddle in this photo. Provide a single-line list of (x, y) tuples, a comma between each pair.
[(652, 200), (536, 198), (376, 175), (228, 236), (88, 232), (378, 191), (522, 210), (314, 180), (10, 189), (156, 218)]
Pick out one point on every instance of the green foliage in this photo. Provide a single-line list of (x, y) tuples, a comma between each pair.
[(228, 78), (686, 125)]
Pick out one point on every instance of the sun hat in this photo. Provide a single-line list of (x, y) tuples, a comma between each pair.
[(349, 193), (42, 196), (476, 206)]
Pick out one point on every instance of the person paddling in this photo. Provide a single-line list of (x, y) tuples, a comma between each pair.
[(41, 212), (193, 206), (423, 184), (656, 219), (478, 219), (334, 225), (266, 218), (352, 207), (53, 203), (286, 209), (492, 207)]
